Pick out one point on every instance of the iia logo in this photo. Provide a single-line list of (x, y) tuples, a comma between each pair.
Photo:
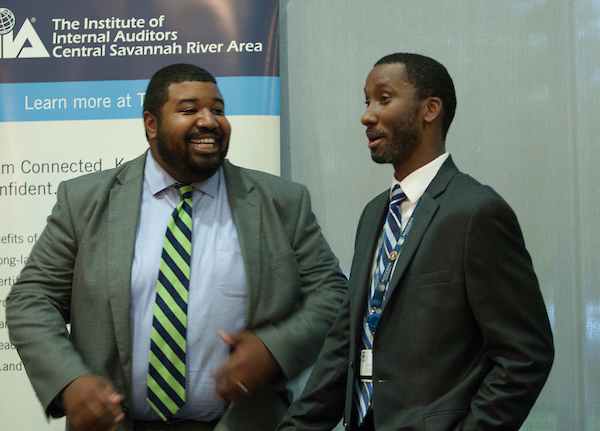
[(15, 47)]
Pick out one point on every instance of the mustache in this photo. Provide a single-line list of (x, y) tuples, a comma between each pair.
[(374, 131), (204, 133)]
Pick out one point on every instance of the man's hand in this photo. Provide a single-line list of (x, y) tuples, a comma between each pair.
[(92, 403), (249, 366)]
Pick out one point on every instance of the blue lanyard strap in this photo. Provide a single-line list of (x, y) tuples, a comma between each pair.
[(383, 279)]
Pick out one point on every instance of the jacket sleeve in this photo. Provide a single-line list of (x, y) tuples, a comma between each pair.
[(322, 403), (507, 304), (38, 307), (296, 339)]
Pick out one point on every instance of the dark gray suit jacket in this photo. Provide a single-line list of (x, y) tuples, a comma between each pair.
[(463, 342), (79, 272)]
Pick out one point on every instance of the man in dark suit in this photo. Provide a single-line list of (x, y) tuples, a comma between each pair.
[(261, 290), (444, 326)]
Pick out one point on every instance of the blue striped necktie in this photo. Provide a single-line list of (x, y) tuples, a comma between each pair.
[(166, 374), (391, 233)]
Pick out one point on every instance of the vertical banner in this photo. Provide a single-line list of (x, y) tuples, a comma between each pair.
[(72, 81)]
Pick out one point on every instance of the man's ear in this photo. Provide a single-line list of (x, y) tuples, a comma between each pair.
[(434, 107), (151, 125)]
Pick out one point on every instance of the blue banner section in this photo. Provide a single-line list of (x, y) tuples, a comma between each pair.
[(102, 100), (66, 40)]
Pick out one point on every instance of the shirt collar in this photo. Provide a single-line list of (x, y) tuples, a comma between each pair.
[(159, 180), (415, 183)]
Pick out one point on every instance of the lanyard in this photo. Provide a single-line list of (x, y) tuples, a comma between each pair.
[(383, 279)]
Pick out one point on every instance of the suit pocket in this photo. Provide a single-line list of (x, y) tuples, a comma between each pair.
[(437, 277), (444, 421)]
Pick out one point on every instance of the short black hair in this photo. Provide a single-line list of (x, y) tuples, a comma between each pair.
[(430, 78), (157, 92)]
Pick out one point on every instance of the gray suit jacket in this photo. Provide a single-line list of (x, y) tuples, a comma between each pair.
[(79, 272), (463, 342)]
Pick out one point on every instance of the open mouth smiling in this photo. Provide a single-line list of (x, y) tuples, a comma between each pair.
[(206, 144)]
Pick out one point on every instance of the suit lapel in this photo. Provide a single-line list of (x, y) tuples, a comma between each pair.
[(246, 211), (367, 241), (425, 213), (123, 216)]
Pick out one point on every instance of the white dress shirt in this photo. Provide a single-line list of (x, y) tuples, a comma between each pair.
[(413, 186)]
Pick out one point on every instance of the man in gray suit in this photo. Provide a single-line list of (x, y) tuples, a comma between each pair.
[(444, 327), (261, 292)]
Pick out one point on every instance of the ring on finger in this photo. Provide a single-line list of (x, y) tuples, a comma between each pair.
[(243, 388)]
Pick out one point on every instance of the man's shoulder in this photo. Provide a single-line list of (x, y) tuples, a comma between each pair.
[(466, 195), (250, 178), (124, 172), (97, 186), (451, 184), (465, 186)]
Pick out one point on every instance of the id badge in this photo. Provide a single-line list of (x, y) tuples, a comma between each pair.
[(366, 364)]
